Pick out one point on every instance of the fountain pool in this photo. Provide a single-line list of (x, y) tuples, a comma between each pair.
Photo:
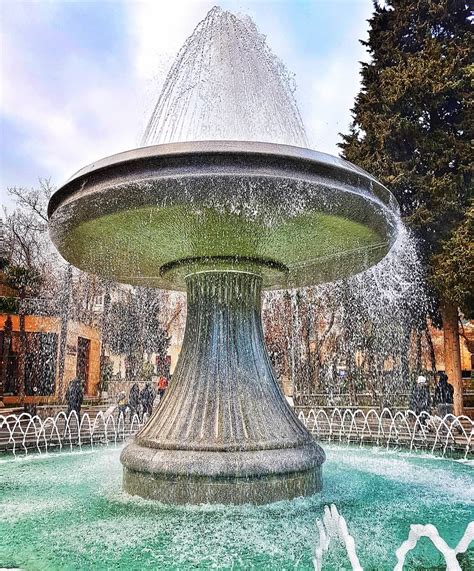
[(68, 511)]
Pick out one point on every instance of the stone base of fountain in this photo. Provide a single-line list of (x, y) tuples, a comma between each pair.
[(224, 432), (183, 477)]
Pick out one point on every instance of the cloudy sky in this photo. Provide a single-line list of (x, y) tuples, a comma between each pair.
[(78, 77)]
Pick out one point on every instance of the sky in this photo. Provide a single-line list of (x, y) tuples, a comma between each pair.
[(78, 78)]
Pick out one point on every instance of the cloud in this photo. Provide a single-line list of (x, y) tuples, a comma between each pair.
[(67, 107)]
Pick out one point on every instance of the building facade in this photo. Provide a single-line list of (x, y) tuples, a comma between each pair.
[(38, 361)]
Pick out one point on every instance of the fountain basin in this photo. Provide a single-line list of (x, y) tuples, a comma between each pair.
[(197, 477), (305, 217)]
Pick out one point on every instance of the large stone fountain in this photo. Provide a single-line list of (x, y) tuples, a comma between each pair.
[(222, 220)]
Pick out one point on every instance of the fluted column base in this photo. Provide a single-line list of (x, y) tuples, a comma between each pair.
[(258, 477), (224, 432)]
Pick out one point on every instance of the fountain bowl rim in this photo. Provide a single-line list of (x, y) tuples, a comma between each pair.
[(105, 188), (224, 147)]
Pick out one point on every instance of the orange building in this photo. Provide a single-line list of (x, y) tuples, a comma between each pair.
[(55, 354)]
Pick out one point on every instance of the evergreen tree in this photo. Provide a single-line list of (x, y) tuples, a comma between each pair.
[(412, 127)]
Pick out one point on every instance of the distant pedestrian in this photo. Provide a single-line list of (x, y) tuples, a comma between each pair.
[(162, 386), (420, 399), (74, 396), (153, 395), (122, 404), (443, 396), (134, 400), (147, 396)]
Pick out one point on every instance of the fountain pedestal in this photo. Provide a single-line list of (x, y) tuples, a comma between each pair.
[(224, 432)]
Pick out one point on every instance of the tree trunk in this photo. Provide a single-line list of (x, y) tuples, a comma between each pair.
[(452, 353), (404, 356), (419, 364), (351, 371), (7, 342), (432, 354), (104, 335)]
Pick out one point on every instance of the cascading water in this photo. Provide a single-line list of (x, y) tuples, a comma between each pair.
[(368, 317), (226, 84)]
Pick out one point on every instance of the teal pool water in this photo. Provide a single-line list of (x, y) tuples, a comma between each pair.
[(67, 511)]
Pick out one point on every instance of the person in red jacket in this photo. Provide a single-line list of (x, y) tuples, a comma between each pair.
[(162, 386)]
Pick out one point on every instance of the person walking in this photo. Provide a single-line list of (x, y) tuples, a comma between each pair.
[(122, 404), (162, 386), (147, 396), (420, 399), (74, 397), (134, 400), (153, 394), (443, 396)]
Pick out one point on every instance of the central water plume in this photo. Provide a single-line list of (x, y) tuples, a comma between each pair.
[(226, 84)]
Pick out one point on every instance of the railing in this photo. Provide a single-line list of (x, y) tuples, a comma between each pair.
[(346, 400), (22, 433), (366, 400), (400, 429)]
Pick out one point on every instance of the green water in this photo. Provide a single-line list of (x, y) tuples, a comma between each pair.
[(67, 511)]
